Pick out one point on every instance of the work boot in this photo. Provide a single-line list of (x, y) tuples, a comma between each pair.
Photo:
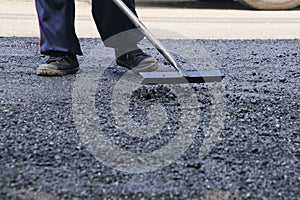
[(59, 65), (136, 60)]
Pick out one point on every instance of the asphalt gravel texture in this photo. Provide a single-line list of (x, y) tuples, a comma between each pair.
[(256, 157)]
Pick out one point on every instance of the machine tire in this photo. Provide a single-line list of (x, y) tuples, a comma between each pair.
[(271, 4)]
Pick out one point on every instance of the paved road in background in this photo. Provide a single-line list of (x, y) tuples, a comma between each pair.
[(193, 19)]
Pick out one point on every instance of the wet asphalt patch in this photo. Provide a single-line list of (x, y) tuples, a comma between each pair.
[(256, 157)]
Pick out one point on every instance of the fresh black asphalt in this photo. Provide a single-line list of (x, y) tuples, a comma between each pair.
[(256, 157)]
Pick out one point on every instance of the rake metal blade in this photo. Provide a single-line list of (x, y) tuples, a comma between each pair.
[(150, 78)]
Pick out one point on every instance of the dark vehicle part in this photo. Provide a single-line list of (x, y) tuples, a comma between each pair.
[(271, 4)]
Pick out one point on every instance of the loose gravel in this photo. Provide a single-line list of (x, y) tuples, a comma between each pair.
[(256, 157)]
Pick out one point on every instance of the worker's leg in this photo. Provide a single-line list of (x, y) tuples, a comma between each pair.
[(118, 32), (58, 38), (113, 25), (57, 32)]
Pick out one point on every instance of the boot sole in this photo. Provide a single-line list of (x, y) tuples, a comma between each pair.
[(55, 72)]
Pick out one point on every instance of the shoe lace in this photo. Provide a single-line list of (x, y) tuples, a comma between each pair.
[(136, 53), (52, 59)]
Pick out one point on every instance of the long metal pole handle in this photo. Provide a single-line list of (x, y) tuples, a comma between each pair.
[(149, 36)]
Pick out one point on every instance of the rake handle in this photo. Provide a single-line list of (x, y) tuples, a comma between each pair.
[(149, 36)]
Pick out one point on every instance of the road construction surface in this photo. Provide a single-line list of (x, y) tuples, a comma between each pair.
[(64, 138), (256, 154), (218, 19)]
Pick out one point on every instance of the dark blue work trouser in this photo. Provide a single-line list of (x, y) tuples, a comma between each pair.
[(57, 32)]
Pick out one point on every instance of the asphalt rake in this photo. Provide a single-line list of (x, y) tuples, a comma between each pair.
[(180, 76)]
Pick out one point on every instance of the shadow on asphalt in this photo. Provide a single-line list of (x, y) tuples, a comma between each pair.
[(201, 4)]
